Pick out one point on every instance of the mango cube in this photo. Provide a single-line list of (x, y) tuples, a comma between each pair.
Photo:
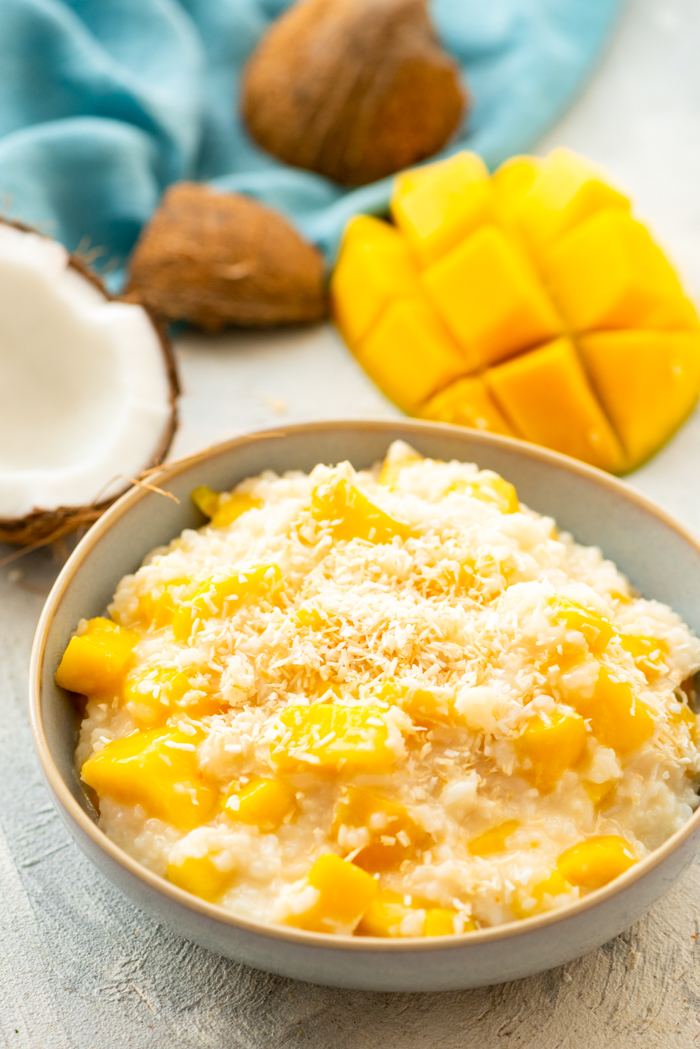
[(345, 892), (648, 653), (489, 296), (264, 803), (546, 394), (95, 663), (617, 717), (375, 266), (410, 354), (200, 876), (393, 834), (511, 182), (493, 840), (216, 597), (205, 499), (440, 921), (351, 515), (156, 769), (596, 629), (329, 737), (551, 886), (599, 793), (152, 695), (549, 747), (222, 512), (596, 861), (660, 374), (492, 489), (466, 402)]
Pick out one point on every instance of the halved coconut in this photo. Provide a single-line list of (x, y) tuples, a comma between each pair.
[(87, 395)]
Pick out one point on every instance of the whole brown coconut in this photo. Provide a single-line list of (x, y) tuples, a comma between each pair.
[(218, 259), (352, 89)]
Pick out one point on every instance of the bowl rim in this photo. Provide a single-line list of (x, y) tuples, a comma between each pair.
[(212, 911)]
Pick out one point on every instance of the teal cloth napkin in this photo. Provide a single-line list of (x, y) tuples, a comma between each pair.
[(105, 102)]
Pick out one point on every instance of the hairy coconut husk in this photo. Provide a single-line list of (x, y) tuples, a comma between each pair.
[(41, 527), (219, 259), (353, 89)]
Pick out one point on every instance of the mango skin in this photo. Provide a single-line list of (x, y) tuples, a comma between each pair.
[(529, 303)]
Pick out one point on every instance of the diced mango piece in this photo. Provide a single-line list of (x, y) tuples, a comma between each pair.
[(264, 803), (596, 861), (599, 793), (206, 500), (384, 915), (492, 489), (648, 653), (157, 770), (157, 606), (618, 718), (328, 737), (438, 205), (152, 695), (467, 402), (422, 706), (399, 456), (490, 297), (493, 840), (95, 663), (375, 266), (393, 834), (200, 876), (352, 515), (311, 618), (548, 397), (512, 181), (554, 885), (345, 892), (596, 629), (647, 381), (410, 354), (439, 921), (550, 746), (566, 191), (216, 597), (608, 273), (234, 507)]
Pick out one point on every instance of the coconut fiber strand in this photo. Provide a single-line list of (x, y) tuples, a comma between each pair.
[(105, 102)]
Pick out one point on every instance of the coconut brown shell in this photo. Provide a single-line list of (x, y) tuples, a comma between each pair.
[(219, 259), (47, 526), (352, 89)]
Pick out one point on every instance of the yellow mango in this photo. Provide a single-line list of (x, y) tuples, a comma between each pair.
[(264, 803), (596, 629), (647, 381), (352, 515), (608, 273), (553, 885), (489, 296), (565, 192), (410, 354), (548, 397), (328, 737), (206, 500), (152, 695), (157, 606), (648, 653), (201, 877), (222, 512), (511, 182), (345, 892), (467, 402), (550, 746), (393, 834), (493, 840), (375, 266), (424, 707), (95, 663), (384, 915), (617, 717), (216, 597), (439, 921), (492, 489), (311, 618), (156, 769), (599, 793), (596, 861), (438, 205)]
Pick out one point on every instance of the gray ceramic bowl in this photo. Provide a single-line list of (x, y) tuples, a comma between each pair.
[(660, 558)]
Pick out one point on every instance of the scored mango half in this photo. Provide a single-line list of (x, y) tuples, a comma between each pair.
[(528, 303)]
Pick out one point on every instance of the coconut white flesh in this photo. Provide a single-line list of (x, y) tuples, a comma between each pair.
[(84, 390)]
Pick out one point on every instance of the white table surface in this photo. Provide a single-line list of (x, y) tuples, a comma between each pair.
[(80, 968)]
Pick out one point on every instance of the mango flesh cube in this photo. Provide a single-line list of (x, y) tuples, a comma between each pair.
[(596, 629), (647, 381), (547, 395), (437, 206), (511, 182), (216, 597), (201, 877), (393, 834), (156, 769), (328, 737), (152, 695), (467, 402), (648, 653), (599, 793), (553, 885), (264, 803), (384, 915), (95, 663), (617, 717), (596, 861), (492, 489), (233, 508), (493, 840), (490, 297), (352, 515), (375, 266), (157, 607), (410, 354), (565, 192), (439, 921), (345, 894), (205, 499), (608, 273), (551, 747)]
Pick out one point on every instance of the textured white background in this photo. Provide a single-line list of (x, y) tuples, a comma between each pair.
[(80, 968)]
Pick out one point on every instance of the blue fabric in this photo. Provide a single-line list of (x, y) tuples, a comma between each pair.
[(104, 102)]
